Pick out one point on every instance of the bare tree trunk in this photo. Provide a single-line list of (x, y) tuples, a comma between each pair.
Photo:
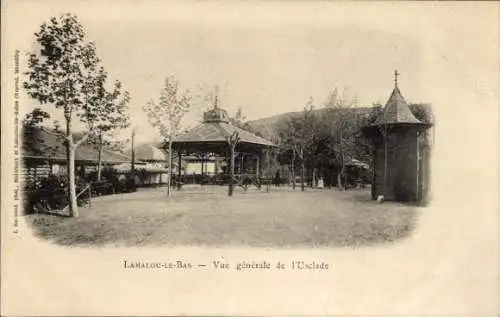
[(73, 206), (385, 162), (169, 181), (179, 163), (313, 183), (132, 163), (232, 141), (70, 166), (293, 168), (342, 159), (99, 159), (302, 169), (231, 171), (339, 177)]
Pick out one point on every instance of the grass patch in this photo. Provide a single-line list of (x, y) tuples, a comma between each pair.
[(207, 217)]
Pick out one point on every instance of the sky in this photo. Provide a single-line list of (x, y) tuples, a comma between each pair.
[(267, 58)]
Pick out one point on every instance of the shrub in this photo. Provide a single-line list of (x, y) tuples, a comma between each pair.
[(50, 193)]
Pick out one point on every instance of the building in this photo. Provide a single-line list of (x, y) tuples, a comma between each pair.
[(151, 165), (400, 152), (44, 153)]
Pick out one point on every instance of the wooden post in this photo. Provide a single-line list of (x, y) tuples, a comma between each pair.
[(99, 159), (132, 164), (257, 166), (258, 170), (313, 183), (216, 167), (90, 194), (169, 177), (268, 169), (202, 168)]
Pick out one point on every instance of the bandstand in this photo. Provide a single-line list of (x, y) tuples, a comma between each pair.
[(220, 141)]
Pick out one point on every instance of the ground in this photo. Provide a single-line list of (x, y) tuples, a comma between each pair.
[(205, 216)]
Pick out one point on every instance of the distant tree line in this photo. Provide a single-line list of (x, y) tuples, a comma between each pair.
[(323, 140)]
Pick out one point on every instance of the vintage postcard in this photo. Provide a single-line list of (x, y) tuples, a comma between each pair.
[(249, 158)]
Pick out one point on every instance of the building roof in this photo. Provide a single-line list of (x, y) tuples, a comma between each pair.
[(125, 168), (148, 152), (215, 129), (218, 132), (397, 111), (357, 163), (38, 143)]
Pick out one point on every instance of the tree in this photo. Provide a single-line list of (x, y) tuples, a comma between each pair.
[(115, 117), (296, 137), (344, 128), (166, 115), (35, 118), (232, 141), (65, 72)]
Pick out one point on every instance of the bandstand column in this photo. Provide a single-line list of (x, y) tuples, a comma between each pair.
[(202, 168)]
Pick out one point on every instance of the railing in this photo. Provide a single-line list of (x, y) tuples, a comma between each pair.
[(80, 197)]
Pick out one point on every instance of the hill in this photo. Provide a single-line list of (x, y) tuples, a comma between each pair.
[(267, 126)]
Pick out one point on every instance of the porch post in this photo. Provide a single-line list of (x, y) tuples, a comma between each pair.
[(257, 166), (202, 169)]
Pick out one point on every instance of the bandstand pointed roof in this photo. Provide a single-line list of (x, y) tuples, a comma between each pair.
[(215, 129)]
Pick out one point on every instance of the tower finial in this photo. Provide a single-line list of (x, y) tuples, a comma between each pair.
[(396, 74), (216, 93)]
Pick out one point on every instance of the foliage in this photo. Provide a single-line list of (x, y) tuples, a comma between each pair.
[(49, 194), (116, 115), (65, 72), (329, 137), (35, 117), (167, 113), (422, 112)]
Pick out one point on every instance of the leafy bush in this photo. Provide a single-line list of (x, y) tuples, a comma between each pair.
[(50, 193)]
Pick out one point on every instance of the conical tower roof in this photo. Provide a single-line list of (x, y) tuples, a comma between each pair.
[(397, 111)]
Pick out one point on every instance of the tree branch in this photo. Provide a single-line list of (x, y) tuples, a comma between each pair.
[(67, 138), (83, 139)]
